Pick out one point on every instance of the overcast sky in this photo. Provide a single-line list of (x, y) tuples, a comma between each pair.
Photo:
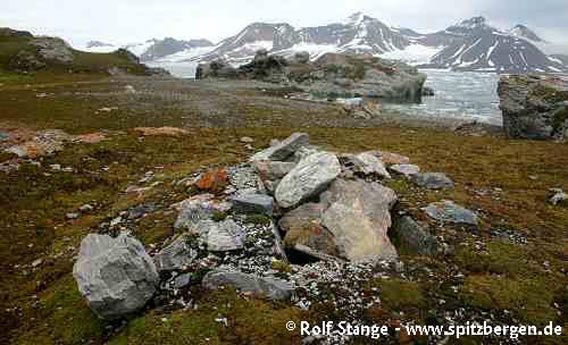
[(125, 21)]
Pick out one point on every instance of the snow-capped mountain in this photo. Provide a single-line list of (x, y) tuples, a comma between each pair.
[(155, 49), (470, 45), (474, 45), (522, 31)]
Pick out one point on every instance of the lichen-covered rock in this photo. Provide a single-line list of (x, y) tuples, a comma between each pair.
[(284, 149), (308, 178), (358, 216), (271, 288), (450, 212), (273, 170), (115, 275), (534, 107), (197, 208)]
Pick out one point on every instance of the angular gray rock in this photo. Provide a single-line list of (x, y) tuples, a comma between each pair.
[(366, 163), (273, 170), (407, 170), (253, 203), (433, 180), (178, 255), (283, 149), (198, 208), (115, 275), (449, 212), (359, 217), (222, 236), (307, 179), (272, 288), (303, 227), (534, 106), (408, 236)]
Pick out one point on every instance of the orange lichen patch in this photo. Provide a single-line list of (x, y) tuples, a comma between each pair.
[(91, 138), (214, 181), (151, 131)]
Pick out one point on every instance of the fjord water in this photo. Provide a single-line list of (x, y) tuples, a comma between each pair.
[(458, 95)]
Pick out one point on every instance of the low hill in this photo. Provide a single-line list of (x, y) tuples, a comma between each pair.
[(22, 52)]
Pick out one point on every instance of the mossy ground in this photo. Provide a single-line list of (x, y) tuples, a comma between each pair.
[(42, 305)]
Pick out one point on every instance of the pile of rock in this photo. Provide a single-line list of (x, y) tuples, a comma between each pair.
[(330, 76), (534, 106), (292, 203)]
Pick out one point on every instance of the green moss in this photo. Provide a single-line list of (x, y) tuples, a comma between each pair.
[(400, 295), (65, 317), (219, 216), (248, 322), (259, 219), (530, 299), (499, 257), (281, 266)]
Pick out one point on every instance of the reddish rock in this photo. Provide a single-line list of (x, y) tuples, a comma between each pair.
[(214, 181)]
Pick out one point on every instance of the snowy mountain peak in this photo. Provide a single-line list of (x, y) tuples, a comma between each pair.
[(358, 18), (474, 22), (522, 31), (97, 44)]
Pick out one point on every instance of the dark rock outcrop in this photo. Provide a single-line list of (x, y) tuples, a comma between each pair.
[(330, 76), (534, 107)]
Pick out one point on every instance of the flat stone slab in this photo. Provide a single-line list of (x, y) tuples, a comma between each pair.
[(284, 149), (450, 212), (253, 203), (272, 288), (407, 170), (434, 180)]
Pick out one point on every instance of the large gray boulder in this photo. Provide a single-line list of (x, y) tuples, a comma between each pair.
[(272, 288), (359, 217), (366, 163), (115, 275), (307, 179), (534, 107), (283, 149)]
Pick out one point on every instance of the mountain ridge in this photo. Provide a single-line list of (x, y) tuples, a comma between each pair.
[(469, 45)]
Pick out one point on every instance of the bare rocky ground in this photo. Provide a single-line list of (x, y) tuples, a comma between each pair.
[(116, 168)]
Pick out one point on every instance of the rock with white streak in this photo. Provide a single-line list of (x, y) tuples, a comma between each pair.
[(310, 177), (115, 275)]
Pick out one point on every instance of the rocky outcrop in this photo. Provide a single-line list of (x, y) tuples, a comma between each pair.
[(534, 107), (115, 275), (332, 75)]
